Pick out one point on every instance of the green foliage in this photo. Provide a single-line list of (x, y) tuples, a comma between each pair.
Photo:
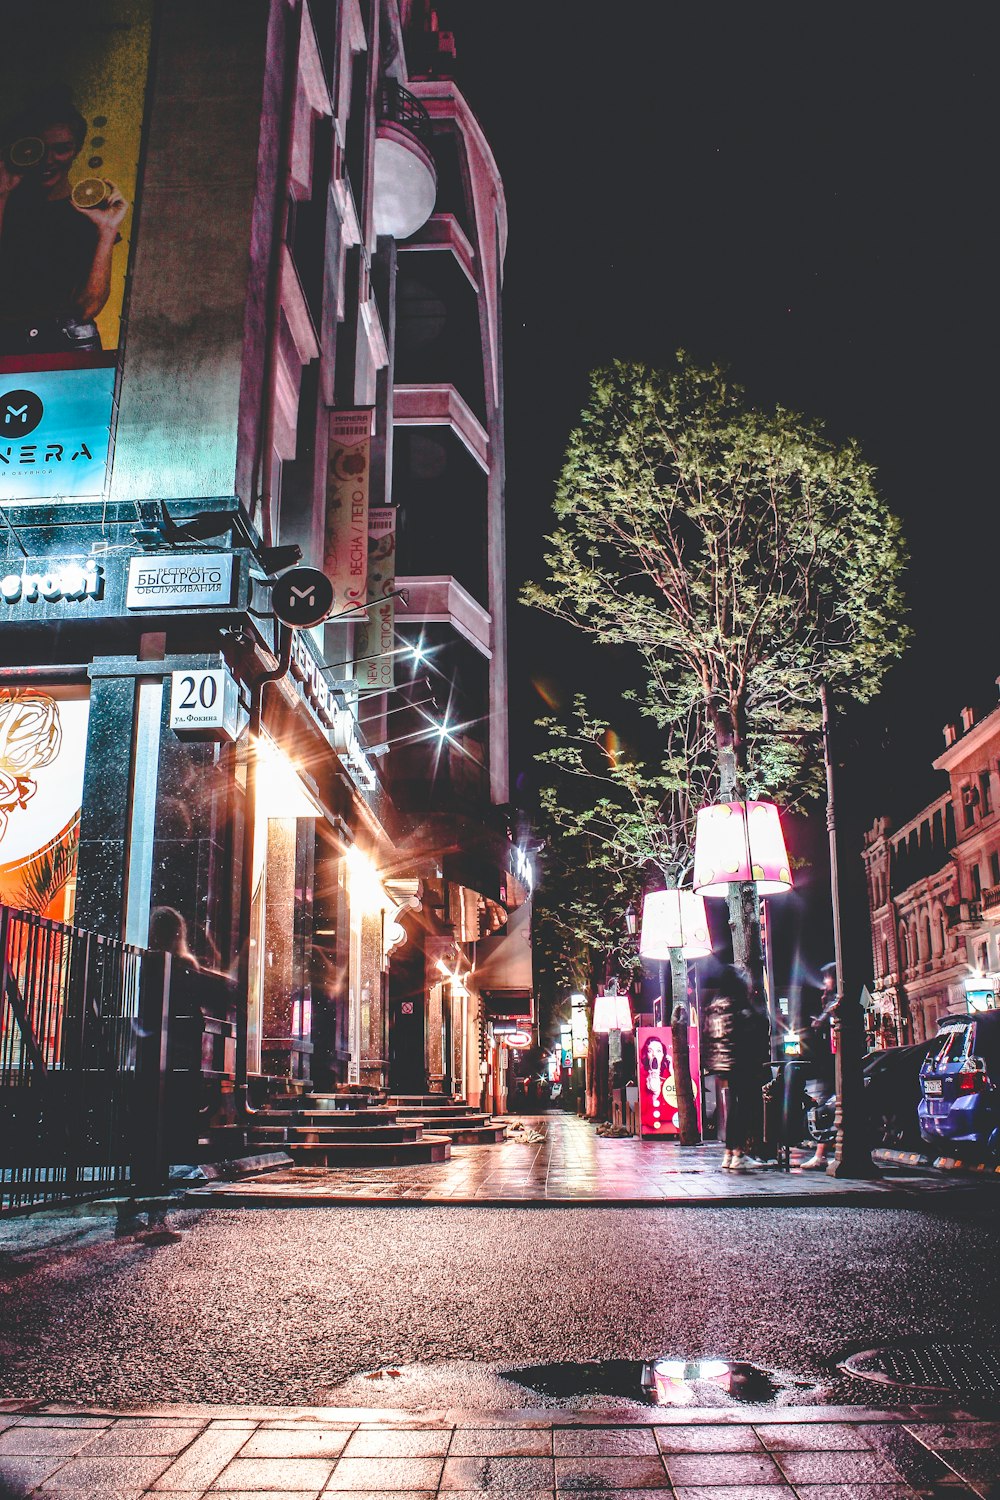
[(743, 555)]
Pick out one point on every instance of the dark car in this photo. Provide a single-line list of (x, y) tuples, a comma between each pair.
[(960, 1104), (892, 1094)]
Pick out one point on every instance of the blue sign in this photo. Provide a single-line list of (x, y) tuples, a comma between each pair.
[(54, 433)]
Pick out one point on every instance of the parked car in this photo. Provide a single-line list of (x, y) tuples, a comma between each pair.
[(892, 1095), (960, 1103)]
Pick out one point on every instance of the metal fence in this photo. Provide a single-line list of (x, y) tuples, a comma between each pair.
[(79, 1022)]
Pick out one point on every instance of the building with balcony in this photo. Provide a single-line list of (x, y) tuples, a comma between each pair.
[(934, 891), (293, 351)]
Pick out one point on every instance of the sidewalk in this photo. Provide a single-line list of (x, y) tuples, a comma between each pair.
[(573, 1165), (298, 1453)]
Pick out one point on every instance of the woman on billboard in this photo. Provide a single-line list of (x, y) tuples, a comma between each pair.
[(56, 240)]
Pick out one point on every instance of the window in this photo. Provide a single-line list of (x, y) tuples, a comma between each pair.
[(969, 800), (985, 800), (886, 965), (995, 868), (977, 884)]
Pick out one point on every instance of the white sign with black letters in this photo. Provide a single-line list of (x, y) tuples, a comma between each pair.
[(180, 581), (205, 701)]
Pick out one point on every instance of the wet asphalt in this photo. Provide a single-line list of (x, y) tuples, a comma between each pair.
[(278, 1306)]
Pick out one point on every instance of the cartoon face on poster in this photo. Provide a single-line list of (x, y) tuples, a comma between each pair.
[(43, 746), (657, 1089), (72, 81)]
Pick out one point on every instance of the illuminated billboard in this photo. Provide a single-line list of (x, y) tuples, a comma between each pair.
[(43, 747), (72, 80), (658, 1115)]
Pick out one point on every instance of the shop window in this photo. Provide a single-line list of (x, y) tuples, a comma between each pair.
[(43, 746)]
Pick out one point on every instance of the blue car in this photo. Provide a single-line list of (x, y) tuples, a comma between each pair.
[(960, 1100)]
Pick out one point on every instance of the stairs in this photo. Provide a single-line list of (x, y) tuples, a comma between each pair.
[(462, 1123), (361, 1128), (347, 1129)]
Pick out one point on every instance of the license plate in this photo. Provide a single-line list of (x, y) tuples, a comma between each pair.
[(932, 1088)]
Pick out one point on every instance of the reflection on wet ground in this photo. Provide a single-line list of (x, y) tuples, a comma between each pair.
[(663, 1382)]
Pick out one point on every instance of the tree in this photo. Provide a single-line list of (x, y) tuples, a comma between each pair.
[(607, 820), (744, 555)]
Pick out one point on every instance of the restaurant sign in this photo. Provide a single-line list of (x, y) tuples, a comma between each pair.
[(180, 581)]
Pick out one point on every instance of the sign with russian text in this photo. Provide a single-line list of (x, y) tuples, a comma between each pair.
[(179, 581), (374, 649), (205, 703), (348, 476), (54, 433)]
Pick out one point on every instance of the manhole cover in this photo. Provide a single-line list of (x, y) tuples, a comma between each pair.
[(930, 1367)]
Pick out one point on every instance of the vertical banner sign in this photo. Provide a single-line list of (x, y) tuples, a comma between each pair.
[(657, 1089), (374, 652), (72, 85), (348, 471)]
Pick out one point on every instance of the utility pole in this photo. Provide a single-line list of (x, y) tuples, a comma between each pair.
[(853, 1153)]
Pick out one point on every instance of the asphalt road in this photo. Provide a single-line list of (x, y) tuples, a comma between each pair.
[(303, 1306)]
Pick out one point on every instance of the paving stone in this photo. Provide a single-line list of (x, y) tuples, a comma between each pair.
[(275, 1474), (19, 1476), (296, 1443), (383, 1474), (592, 1474), (842, 1467), (102, 1475), (632, 1442), (501, 1442), (701, 1439), (733, 1492), (207, 1456), (38, 1442), (722, 1469), (857, 1492), (141, 1441), (497, 1472), (409, 1442), (826, 1435), (943, 1436)]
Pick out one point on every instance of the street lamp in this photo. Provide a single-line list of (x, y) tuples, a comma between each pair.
[(739, 843), (674, 919), (612, 1011)]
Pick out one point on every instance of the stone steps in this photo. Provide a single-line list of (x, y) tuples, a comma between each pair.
[(429, 1148), (317, 1134)]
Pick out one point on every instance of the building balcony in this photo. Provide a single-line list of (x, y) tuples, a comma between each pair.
[(991, 901), (405, 174)]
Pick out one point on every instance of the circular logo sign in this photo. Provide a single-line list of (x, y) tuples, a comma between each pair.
[(302, 597), (20, 413)]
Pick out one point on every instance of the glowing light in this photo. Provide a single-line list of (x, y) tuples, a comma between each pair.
[(737, 842), (674, 919), (367, 892), (280, 792), (612, 1012)]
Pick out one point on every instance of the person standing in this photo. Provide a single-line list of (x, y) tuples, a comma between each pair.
[(815, 1029), (732, 1052)]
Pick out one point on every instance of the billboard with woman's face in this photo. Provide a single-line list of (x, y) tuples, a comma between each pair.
[(657, 1088), (72, 82), (43, 746)]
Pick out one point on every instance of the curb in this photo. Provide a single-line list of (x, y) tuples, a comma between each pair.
[(890, 1197), (939, 1163)]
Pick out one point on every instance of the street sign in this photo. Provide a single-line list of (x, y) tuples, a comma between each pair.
[(302, 597), (204, 704)]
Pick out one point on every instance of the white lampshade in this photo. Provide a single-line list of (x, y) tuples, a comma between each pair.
[(737, 842), (674, 919)]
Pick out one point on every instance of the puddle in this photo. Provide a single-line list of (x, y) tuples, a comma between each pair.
[(663, 1382)]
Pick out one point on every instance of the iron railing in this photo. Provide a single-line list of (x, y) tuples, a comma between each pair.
[(77, 1024), (400, 107)]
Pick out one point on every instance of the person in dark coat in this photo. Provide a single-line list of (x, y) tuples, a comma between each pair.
[(735, 1045), (816, 1045)]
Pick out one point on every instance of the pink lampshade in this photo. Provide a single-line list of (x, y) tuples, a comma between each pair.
[(674, 919), (740, 841), (623, 1014), (612, 1012)]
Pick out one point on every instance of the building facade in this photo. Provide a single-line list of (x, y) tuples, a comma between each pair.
[(250, 285), (934, 892)]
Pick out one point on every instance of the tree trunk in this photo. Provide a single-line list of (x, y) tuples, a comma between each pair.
[(687, 1122), (744, 904)]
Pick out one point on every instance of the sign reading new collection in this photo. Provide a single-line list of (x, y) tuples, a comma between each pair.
[(180, 581), (345, 551)]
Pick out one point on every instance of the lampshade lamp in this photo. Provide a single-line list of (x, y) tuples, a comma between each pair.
[(737, 842), (674, 919)]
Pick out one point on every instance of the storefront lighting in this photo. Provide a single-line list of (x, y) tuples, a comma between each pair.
[(366, 889), (674, 919), (280, 790), (738, 842)]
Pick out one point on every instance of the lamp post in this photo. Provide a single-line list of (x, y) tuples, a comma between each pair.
[(853, 1154)]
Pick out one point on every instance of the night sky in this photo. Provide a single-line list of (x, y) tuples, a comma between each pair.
[(800, 193)]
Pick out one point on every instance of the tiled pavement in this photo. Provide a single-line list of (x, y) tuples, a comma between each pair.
[(241, 1453), (572, 1164)]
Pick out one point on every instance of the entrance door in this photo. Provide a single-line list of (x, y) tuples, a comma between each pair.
[(407, 1074)]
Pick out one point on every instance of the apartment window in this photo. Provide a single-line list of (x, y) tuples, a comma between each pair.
[(977, 884), (969, 800), (995, 868), (985, 799)]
